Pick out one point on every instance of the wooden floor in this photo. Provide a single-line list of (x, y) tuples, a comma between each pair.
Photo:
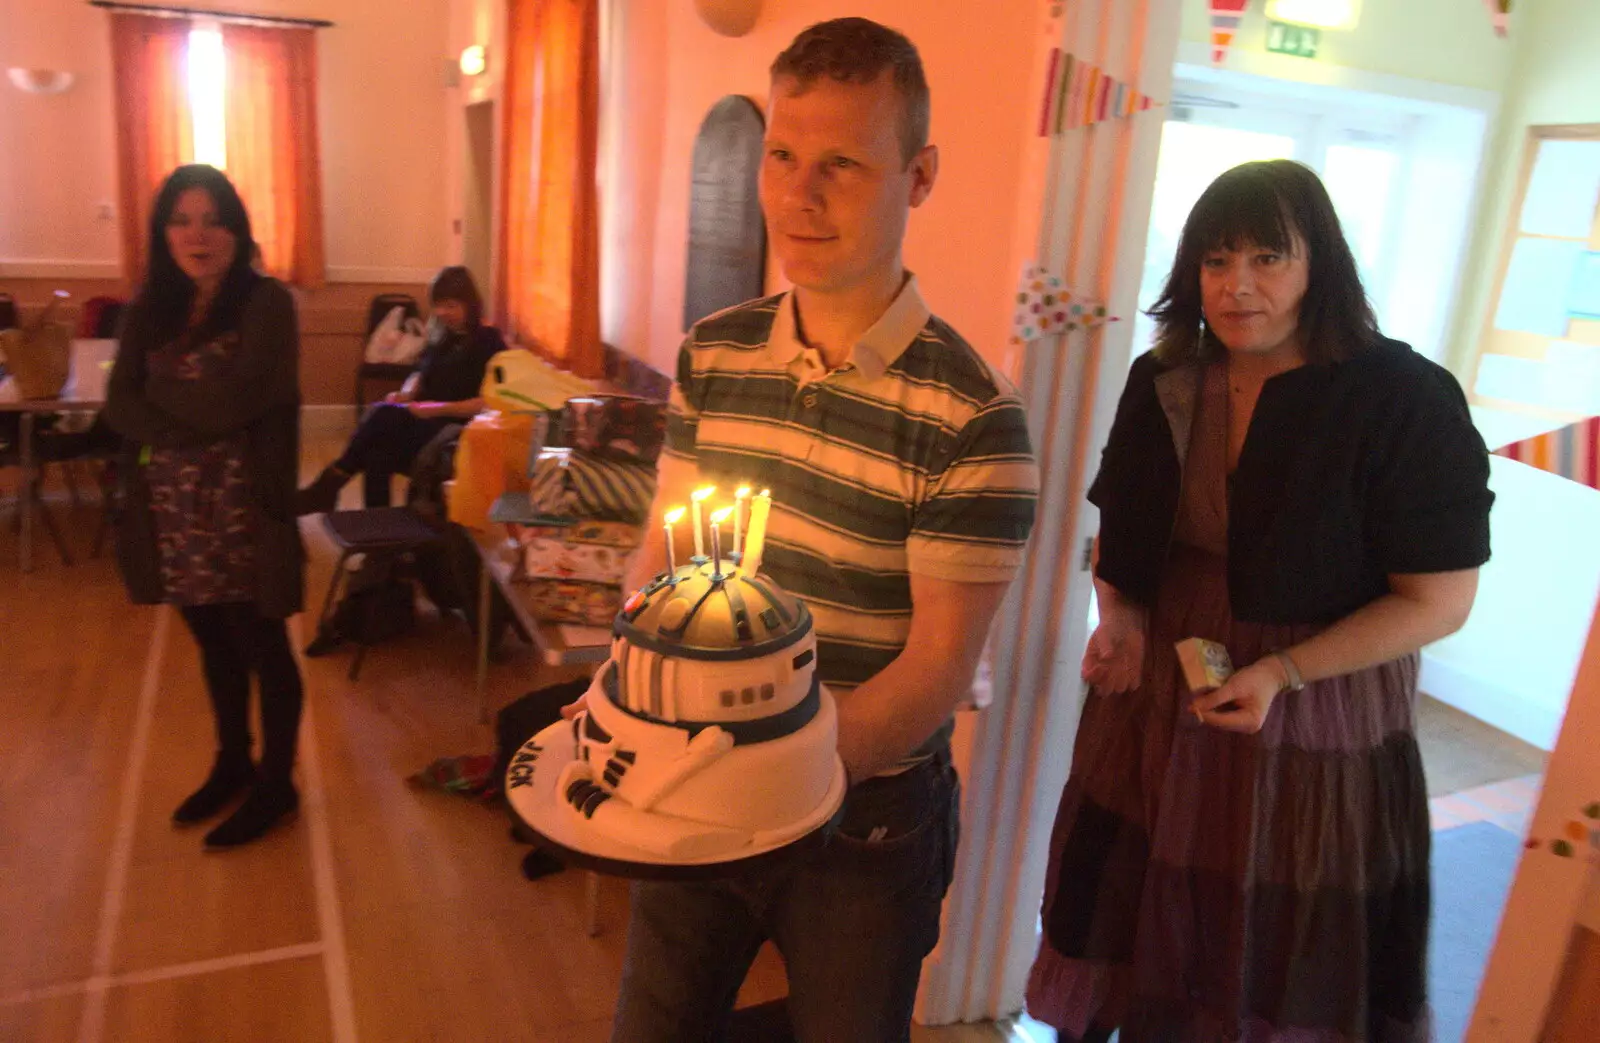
[(385, 913)]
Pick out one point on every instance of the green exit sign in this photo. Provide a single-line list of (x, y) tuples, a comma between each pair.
[(1298, 40)]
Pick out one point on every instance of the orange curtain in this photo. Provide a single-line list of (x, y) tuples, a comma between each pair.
[(272, 153), (547, 280), (155, 129)]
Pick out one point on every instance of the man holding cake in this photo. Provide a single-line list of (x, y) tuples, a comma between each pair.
[(902, 488)]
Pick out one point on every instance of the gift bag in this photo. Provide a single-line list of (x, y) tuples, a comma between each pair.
[(491, 459)]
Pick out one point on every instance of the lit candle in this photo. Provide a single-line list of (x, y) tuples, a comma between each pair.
[(738, 516), (718, 518), (674, 516), (760, 507), (696, 498)]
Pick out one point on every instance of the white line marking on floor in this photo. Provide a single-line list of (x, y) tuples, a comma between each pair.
[(92, 1024), (330, 920), (177, 970)]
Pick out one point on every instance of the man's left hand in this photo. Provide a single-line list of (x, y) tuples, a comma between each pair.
[(1244, 700)]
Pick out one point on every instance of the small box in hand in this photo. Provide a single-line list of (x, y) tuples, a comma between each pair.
[(1206, 664)]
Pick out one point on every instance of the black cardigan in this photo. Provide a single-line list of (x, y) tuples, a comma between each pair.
[(1351, 471), (452, 369), (259, 396)]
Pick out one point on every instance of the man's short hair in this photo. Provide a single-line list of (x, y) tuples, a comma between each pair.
[(858, 50)]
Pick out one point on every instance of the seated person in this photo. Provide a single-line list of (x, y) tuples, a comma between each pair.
[(443, 389)]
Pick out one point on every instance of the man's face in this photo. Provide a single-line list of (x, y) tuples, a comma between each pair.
[(835, 188)]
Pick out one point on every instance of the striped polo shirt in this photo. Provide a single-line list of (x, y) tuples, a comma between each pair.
[(912, 457)]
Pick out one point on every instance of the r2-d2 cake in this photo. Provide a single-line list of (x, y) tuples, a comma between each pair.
[(706, 737)]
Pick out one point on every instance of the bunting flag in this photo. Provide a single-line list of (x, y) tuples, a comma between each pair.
[(1045, 308), (1077, 94), (1571, 452), (1499, 15), (1225, 18)]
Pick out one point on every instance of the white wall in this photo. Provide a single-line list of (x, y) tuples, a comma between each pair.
[(382, 108), (1513, 664)]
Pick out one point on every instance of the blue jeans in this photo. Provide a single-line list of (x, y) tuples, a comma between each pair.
[(853, 921)]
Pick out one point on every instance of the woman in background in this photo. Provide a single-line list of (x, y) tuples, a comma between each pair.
[(205, 391), (1252, 862), (442, 389)]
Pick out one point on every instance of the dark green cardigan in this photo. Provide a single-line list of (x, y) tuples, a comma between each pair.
[(259, 396)]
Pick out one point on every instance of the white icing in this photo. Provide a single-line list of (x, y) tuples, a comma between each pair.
[(681, 797)]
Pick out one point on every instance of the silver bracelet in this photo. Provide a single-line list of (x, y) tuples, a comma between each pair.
[(1293, 682)]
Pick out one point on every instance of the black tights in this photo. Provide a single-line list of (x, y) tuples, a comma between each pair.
[(235, 641)]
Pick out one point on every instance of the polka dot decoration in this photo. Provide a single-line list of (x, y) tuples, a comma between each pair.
[(1045, 307)]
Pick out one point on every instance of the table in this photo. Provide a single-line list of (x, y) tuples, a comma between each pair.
[(558, 644), (26, 502), (84, 391)]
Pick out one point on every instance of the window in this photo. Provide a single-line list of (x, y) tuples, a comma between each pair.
[(1400, 174), (1541, 347), (208, 85)]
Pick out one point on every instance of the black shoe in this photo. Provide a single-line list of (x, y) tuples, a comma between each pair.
[(267, 805), (227, 780), (540, 863), (322, 495), (326, 641)]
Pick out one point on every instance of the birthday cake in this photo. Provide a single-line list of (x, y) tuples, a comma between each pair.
[(705, 737)]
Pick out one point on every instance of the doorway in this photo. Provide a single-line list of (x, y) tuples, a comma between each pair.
[(1401, 176)]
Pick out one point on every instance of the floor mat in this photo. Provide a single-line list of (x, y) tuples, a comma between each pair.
[(1472, 870)]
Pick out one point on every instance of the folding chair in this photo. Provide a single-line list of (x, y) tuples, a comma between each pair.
[(385, 533)]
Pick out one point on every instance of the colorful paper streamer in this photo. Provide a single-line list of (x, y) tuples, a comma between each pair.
[(1078, 94), (1226, 15)]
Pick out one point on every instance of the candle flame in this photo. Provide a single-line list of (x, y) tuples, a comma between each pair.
[(703, 492), (719, 517), (767, 493), (744, 491), (674, 516)]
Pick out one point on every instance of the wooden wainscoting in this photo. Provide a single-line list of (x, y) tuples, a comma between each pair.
[(333, 324)]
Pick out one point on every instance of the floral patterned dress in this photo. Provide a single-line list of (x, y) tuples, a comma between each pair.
[(200, 495)]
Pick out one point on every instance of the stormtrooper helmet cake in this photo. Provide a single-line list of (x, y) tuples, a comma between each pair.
[(706, 736)]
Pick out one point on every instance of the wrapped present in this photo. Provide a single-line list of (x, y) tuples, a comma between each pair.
[(600, 533), (615, 427), (558, 559), (490, 459), (573, 601), (567, 483)]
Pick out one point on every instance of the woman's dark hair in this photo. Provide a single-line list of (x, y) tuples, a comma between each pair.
[(168, 294), (455, 284), (1268, 204)]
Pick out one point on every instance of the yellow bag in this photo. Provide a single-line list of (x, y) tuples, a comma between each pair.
[(491, 459), (516, 379)]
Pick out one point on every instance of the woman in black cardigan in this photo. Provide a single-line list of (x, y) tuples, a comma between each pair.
[(205, 392), (443, 389), (1251, 862)]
